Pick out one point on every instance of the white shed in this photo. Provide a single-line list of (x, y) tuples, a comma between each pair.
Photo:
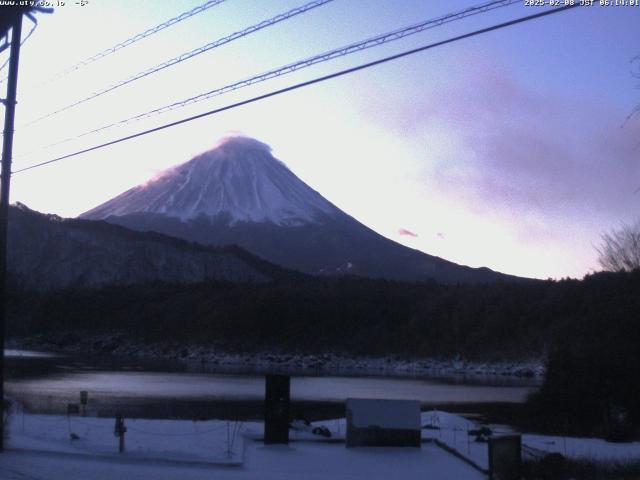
[(383, 423)]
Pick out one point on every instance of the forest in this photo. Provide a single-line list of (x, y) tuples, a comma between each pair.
[(587, 330)]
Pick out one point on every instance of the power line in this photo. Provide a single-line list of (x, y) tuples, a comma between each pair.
[(6, 62), (5, 44), (136, 38), (305, 84), (33, 28), (290, 68), (293, 67), (185, 56)]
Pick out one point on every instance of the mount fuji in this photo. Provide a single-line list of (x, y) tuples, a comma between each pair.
[(238, 193)]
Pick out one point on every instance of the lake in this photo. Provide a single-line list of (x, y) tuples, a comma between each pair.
[(48, 383)]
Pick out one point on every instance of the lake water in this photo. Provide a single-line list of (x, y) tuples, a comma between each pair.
[(48, 384)]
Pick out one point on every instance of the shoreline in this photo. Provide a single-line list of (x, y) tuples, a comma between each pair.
[(215, 358)]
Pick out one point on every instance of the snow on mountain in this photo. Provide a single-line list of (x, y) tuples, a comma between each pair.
[(48, 252), (239, 178), (238, 193)]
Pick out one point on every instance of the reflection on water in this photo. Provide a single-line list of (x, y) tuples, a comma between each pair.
[(49, 383)]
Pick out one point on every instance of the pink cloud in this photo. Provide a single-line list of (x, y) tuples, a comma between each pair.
[(522, 153), (409, 233)]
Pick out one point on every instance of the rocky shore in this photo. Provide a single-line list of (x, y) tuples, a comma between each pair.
[(219, 358)]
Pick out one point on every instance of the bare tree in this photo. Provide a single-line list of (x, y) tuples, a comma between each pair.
[(620, 249)]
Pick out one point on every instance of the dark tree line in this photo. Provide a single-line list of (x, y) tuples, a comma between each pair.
[(589, 329), (593, 369), (499, 320)]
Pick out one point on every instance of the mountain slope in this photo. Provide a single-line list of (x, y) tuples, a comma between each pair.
[(239, 179), (238, 193), (46, 251)]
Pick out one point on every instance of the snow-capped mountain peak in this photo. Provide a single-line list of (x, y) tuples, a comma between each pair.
[(239, 194), (239, 178)]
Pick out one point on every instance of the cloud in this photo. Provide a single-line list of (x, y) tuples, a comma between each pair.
[(528, 156), (404, 231), (239, 140), (540, 171), (568, 160)]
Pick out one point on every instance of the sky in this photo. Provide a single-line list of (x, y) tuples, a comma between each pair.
[(510, 150)]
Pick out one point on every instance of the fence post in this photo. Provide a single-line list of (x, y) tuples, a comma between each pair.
[(119, 431)]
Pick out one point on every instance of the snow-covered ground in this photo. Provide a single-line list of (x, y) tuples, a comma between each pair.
[(40, 448), (214, 442), (590, 448), (452, 430), (293, 462)]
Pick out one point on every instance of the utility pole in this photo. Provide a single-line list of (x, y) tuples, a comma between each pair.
[(5, 183)]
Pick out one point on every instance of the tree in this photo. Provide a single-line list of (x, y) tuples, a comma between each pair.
[(620, 249)]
